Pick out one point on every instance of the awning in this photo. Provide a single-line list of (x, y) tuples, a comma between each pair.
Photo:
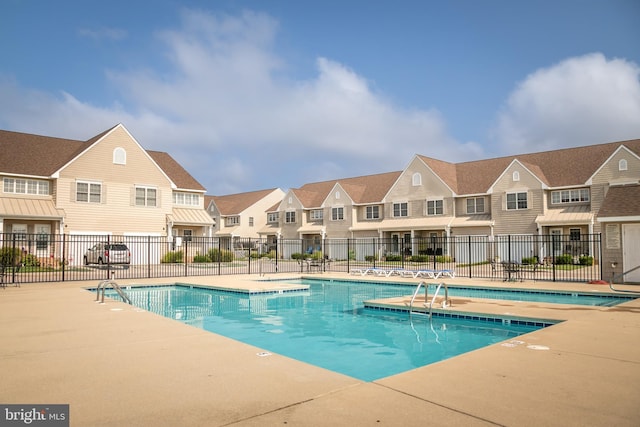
[(621, 204), (472, 221), (179, 216), (566, 216), (29, 209), (311, 229), (270, 229), (404, 224)]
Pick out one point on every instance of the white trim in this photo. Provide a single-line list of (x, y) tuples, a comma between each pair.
[(615, 152), (491, 187), (56, 174), (634, 218)]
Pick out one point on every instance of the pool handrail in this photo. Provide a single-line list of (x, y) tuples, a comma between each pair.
[(103, 284), (620, 276)]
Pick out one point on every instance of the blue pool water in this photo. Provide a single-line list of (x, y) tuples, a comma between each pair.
[(513, 294), (327, 325)]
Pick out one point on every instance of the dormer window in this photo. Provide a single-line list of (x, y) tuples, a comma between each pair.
[(416, 179), (119, 156), (622, 165), (516, 176)]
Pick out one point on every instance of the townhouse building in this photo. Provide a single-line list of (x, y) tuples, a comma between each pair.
[(566, 195), (106, 186), (241, 216)]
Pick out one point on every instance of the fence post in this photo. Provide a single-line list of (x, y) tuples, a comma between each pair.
[(185, 243), (470, 263), (249, 255), (63, 255), (348, 255), (148, 257)]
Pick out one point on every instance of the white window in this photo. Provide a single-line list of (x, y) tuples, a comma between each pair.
[(337, 195), (146, 196), (435, 207), (88, 192), (250, 221), (622, 165), (186, 199), (516, 201), (373, 212), (475, 205), (416, 179), (290, 217), (19, 231), (119, 156), (574, 234), (337, 214), (232, 220), (273, 217), (317, 214), (516, 176), (400, 209), (570, 196), (26, 186)]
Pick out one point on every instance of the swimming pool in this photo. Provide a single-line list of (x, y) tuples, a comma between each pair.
[(602, 299), (327, 325)]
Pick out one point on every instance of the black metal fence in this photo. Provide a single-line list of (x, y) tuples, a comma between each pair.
[(28, 258)]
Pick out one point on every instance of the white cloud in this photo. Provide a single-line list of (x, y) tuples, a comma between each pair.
[(227, 96), (580, 101)]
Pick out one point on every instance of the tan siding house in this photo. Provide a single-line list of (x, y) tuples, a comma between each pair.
[(106, 186), (242, 215)]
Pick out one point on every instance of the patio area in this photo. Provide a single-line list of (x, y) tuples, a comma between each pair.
[(116, 365)]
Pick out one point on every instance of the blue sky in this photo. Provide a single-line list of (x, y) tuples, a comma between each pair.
[(249, 95)]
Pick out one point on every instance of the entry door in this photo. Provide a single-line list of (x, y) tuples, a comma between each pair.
[(631, 251), (556, 241), (42, 239)]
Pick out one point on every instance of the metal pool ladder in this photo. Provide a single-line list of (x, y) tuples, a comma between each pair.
[(426, 294), (103, 285)]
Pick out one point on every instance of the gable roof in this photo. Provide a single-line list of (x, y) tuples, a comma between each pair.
[(42, 156), (621, 201), (361, 189), (234, 204), (556, 168), (179, 175)]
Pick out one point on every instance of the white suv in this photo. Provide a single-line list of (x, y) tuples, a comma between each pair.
[(107, 253)]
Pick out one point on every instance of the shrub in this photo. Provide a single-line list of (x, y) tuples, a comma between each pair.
[(201, 258), (586, 260), (297, 255), (30, 260), (443, 258), (352, 255), (316, 255), (393, 257), (217, 255), (9, 256), (370, 258), (420, 258), (530, 260), (564, 259), (172, 256)]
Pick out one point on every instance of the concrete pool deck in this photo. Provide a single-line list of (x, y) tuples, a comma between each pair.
[(116, 365)]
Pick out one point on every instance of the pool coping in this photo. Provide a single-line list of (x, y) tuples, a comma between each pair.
[(115, 365)]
